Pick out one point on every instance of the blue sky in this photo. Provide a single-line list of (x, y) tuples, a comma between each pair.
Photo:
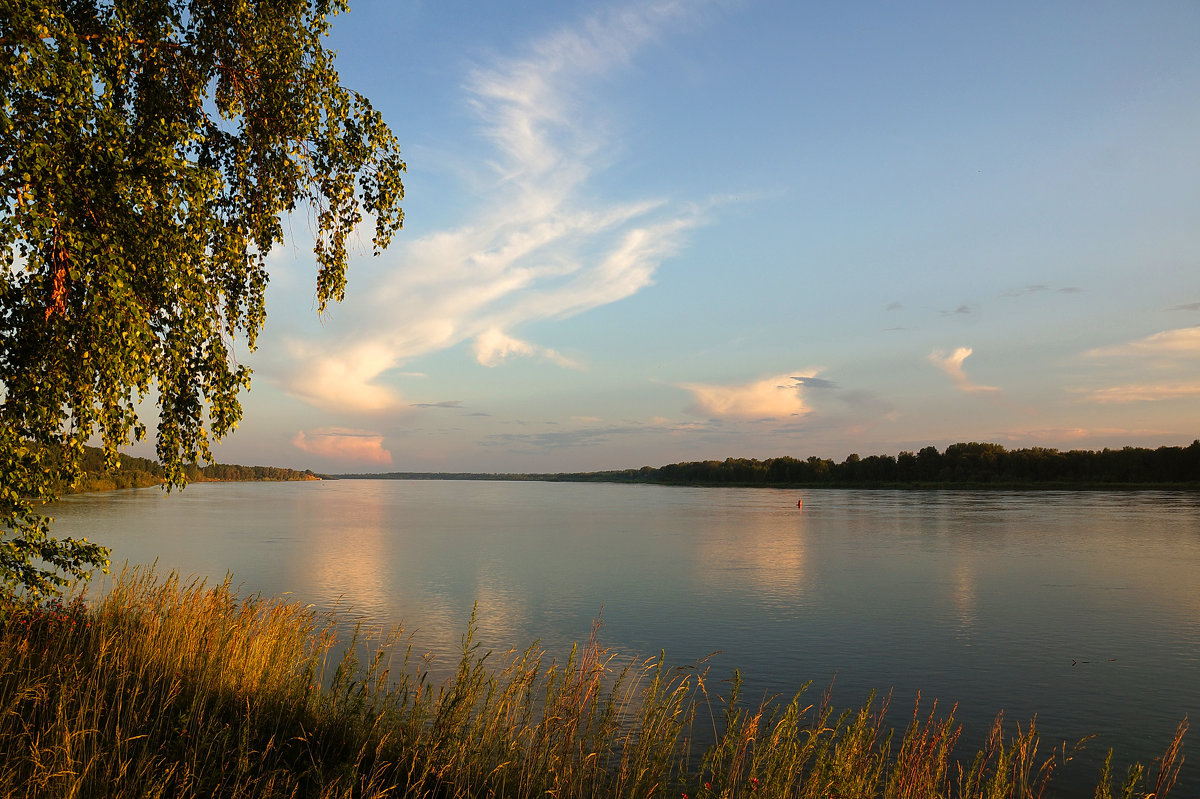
[(652, 232)]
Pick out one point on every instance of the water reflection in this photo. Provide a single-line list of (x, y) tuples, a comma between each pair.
[(503, 609), (764, 557), (349, 559), (964, 598), (985, 599)]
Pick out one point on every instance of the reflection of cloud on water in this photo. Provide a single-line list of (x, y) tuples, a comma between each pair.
[(350, 568), (502, 615), (767, 556), (965, 598), (347, 558)]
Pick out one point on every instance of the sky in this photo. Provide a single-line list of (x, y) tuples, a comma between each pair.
[(650, 232)]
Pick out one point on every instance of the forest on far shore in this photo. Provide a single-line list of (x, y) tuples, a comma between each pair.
[(972, 464), (134, 472)]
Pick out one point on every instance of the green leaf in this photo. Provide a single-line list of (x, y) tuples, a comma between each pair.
[(144, 225)]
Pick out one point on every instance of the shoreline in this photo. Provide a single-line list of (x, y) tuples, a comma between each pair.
[(868, 486), (170, 687)]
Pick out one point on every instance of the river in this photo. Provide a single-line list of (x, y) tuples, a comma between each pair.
[(1080, 607)]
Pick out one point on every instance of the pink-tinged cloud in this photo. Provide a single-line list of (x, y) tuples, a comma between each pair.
[(1143, 393), (493, 346), (1182, 342), (1043, 434), (952, 365), (778, 396), (1047, 435), (343, 444), (343, 380)]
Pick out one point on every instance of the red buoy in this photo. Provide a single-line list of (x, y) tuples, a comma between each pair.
[(799, 503)]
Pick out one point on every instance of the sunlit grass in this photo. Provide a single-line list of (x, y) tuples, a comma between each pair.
[(166, 688)]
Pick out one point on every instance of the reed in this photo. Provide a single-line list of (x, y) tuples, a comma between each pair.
[(166, 688)]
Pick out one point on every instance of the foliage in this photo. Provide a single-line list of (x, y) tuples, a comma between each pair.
[(230, 471), (173, 689), (130, 472), (971, 464), (134, 472), (148, 149)]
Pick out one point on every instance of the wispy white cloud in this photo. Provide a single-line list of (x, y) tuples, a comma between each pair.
[(538, 246), (343, 444), (1181, 342), (493, 347), (778, 396), (1142, 393), (1168, 351), (952, 364), (1040, 288), (1045, 434), (343, 379), (591, 434)]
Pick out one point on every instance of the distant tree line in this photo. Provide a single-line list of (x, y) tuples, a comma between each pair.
[(972, 464), (230, 472), (134, 472)]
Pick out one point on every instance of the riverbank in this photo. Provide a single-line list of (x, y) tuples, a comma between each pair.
[(135, 472), (970, 466), (92, 483), (787, 486), (172, 689)]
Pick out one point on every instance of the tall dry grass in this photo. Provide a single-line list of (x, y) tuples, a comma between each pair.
[(174, 689)]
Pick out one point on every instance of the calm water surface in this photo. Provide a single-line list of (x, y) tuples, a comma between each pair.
[(1080, 607)]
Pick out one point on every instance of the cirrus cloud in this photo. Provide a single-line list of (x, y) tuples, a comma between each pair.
[(539, 246), (1184, 341), (952, 364), (493, 346), (1143, 393)]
